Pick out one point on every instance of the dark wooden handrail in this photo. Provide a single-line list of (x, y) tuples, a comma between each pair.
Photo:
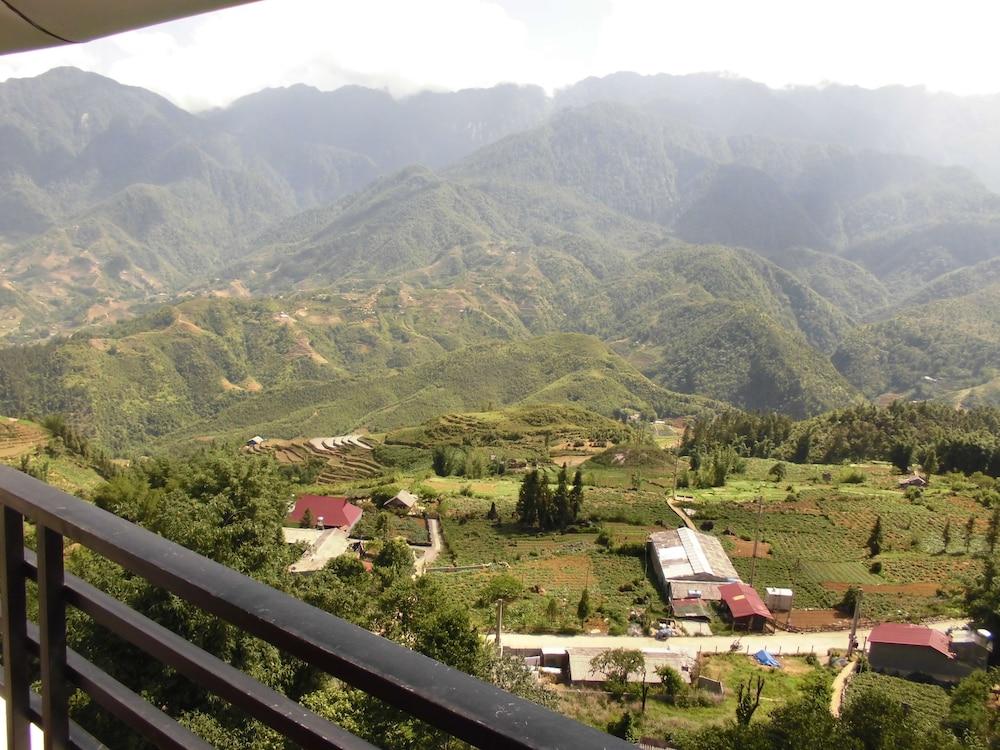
[(463, 706)]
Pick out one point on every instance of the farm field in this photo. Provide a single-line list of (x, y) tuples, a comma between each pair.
[(662, 719), (814, 529), (930, 702)]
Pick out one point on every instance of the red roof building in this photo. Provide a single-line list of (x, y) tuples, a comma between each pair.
[(745, 606), (900, 634), (335, 512)]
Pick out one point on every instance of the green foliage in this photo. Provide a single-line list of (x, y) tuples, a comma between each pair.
[(616, 665)]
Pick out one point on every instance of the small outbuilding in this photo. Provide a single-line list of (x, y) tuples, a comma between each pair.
[(778, 600), (255, 440), (915, 481), (746, 610), (402, 500)]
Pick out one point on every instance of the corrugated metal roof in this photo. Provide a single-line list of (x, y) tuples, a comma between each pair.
[(744, 601), (581, 671), (684, 554), (901, 634)]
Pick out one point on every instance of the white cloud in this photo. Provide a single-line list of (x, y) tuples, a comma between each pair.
[(406, 45)]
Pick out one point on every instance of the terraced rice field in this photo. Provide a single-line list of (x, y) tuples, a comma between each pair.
[(348, 457)]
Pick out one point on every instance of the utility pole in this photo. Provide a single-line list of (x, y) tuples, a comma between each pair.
[(499, 626), (756, 538), (853, 644)]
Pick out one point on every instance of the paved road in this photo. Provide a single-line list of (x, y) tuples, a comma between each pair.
[(776, 643)]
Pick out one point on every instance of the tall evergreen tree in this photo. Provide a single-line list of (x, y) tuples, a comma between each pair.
[(875, 539), (576, 495), (544, 502), (527, 499), (563, 510)]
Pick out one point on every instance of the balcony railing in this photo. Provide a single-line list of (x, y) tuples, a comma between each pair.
[(462, 706)]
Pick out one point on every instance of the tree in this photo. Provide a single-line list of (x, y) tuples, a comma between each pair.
[(670, 681), (850, 600), (875, 539), (970, 527), (382, 528), (395, 559), (527, 499), (748, 699), (576, 495), (968, 716), (561, 501), (544, 502), (616, 665), (307, 520), (492, 514), (901, 456), (993, 530), (946, 536), (583, 607), (877, 721), (626, 728), (778, 471)]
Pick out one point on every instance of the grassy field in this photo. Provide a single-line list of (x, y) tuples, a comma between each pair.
[(662, 719)]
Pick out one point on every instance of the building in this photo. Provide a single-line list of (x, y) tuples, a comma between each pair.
[(746, 610), (580, 672), (403, 500), (909, 650), (915, 481), (328, 512), (689, 564), (255, 440)]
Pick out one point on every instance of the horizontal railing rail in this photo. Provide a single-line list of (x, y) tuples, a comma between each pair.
[(465, 707)]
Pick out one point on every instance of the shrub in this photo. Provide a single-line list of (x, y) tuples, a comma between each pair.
[(876, 567), (851, 477), (707, 525)]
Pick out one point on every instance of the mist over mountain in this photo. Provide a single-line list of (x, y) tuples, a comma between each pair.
[(790, 250)]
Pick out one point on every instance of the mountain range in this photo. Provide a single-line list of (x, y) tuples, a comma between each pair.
[(346, 259)]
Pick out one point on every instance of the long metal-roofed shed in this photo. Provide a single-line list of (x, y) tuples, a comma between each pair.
[(690, 564)]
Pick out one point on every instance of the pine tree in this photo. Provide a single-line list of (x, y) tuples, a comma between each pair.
[(993, 530), (544, 502), (946, 536), (576, 495), (527, 499), (307, 520), (583, 607), (563, 511), (875, 539), (970, 526)]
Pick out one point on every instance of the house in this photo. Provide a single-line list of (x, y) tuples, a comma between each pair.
[(582, 673), (746, 610), (908, 650), (689, 564), (326, 512), (255, 440), (404, 500), (915, 481)]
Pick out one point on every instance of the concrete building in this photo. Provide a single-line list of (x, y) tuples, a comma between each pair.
[(689, 564), (778, 600)]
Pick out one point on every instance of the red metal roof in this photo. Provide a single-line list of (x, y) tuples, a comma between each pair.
[(900, 634), (336, 511), (743, 601)]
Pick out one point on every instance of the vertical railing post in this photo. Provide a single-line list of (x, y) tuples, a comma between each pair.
[(52, 637), (17, 680)]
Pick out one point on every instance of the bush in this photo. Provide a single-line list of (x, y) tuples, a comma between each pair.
[(851, 477), (707, 525), (811, 660), (876, 567)]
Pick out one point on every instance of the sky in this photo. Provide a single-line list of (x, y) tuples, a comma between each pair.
[(409, 45)]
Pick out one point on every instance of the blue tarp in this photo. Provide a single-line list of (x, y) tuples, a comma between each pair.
[(766, 659)]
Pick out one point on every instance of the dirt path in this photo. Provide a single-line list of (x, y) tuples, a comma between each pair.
[(839, 683), (683, 516), (431, 554)]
